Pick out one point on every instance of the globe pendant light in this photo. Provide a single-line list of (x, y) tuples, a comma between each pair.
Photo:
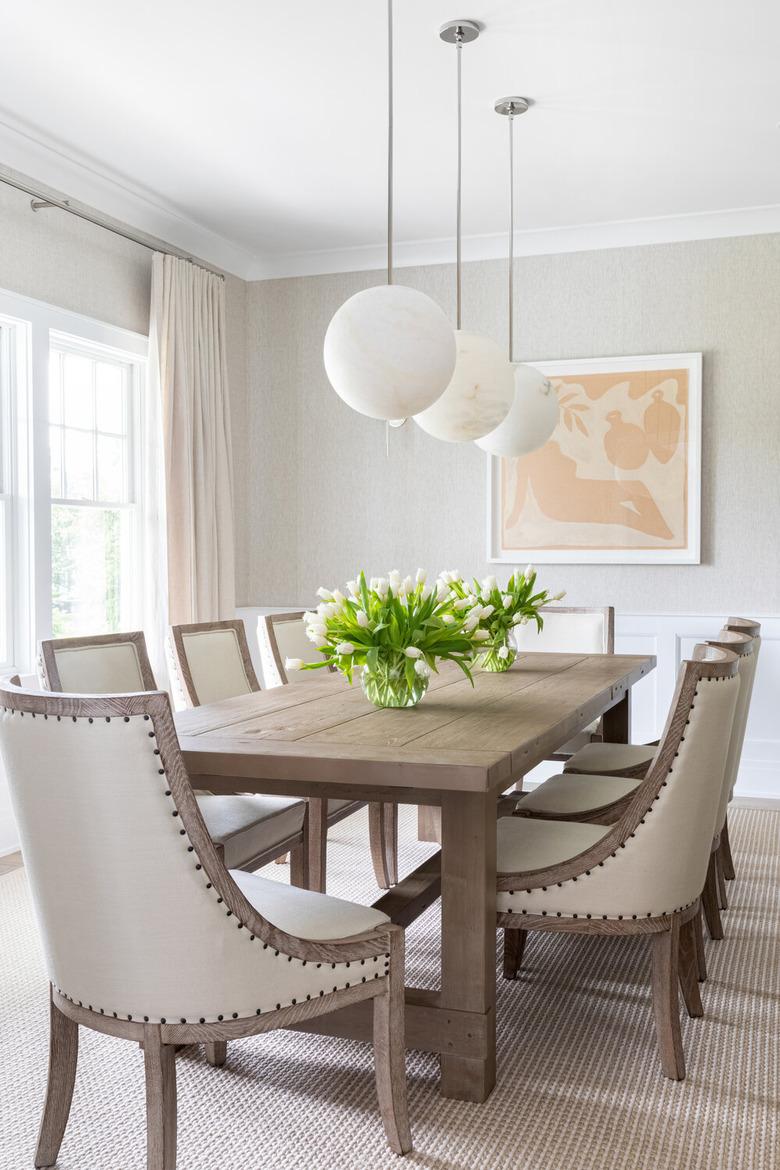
[(481, 391), (389, 350), (534, 412)]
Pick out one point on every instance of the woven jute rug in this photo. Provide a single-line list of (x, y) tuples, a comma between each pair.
[(579, 1085)]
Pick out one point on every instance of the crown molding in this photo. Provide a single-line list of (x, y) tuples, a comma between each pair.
[(627, 233), (81, 179), (49, 163)]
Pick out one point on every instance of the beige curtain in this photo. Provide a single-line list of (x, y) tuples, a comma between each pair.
[(187, 357)]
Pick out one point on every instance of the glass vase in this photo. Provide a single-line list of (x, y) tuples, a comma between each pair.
[(387, 686), (500, 655)]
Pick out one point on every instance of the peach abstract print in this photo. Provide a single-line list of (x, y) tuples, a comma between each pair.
[(615, 474)]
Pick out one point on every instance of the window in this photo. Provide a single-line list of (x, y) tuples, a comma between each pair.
[(71, 504)]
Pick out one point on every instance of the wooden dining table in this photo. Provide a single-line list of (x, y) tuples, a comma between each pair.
[(458, 751)]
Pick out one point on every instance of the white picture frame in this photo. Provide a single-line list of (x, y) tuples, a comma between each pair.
[(687, 554)]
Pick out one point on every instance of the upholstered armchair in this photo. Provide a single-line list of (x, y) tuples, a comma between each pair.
[(644, 873), (250, 830), (147, 936), (285, 637)]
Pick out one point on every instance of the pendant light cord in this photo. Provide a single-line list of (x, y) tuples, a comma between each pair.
[(390, 129), (511, 121), (459, 198)]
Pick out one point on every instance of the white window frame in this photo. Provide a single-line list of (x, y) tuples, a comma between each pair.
[(31, 327)]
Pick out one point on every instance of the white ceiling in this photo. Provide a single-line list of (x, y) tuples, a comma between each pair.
[(254, 132)]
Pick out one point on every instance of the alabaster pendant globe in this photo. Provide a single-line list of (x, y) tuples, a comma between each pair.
[(531, 419), (389, 351), (478, 396)]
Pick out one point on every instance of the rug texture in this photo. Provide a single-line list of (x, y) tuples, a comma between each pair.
[(579, 1084)]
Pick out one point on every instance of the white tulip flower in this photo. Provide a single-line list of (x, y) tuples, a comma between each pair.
[(448, 618), (454, 574), (520, 620), (503, 652), (421, 576), (481, 636), (407, 584), (486, 611), (442, 591), (489, 584), (529, 571), (324, 593), (316, 634), (472, 598), (362, 619), (373, 582), (293, 664), (426, 591), (394, 578), (338, 598), (421, 667), (471, 622), (413, 652), (381, 586), (461, 603), (310, 617), (443, 578), (352, 587), (345, 648), (559, 596), (507, 601)]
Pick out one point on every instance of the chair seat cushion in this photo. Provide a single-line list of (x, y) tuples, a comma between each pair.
[(567, 793), (524, 844), (304, 913), (336, 806), (618, 759), (248, 826)]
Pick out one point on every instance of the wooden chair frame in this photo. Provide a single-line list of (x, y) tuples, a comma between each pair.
[(182, 662), (161, 1040), (675, 945), (48, 659), (382, 816), (753, 628)]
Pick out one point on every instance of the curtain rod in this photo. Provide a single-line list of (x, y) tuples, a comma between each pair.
[(42, 200)]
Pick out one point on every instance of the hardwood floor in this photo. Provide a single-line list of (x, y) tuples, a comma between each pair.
[(10, 862)]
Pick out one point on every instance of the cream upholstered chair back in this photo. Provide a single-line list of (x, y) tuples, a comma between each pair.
[(125, 879), (100, 665), (569, 630), (744, 647), (286, 637), (213, 662)]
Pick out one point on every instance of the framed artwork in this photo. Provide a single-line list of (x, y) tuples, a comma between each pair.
[(619, 480)]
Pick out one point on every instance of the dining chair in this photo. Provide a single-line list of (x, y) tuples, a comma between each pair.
[(572, 630), (587, 796), (147, 936), (644, 873), (285, 637), (250, 830)]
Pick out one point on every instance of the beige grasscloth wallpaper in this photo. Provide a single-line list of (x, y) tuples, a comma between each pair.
[(316, 497), (322, 498)]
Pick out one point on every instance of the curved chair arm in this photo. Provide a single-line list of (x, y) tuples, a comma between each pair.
[(707, 662)]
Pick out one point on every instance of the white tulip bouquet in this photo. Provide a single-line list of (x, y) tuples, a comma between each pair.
[(395, 630), (500, 609)]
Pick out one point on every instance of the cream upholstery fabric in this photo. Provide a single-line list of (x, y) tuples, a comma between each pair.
[(577, 794), (249, 825), (304, 913), (216, 665), (747, 673), (292, 643), (601, 758), (565, 633), (663, 866), (104, 669), (128, 922)]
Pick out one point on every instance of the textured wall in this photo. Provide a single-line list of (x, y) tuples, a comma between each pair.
[(66, 262), (323, 484)]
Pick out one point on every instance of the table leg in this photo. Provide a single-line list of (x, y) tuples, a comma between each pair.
[(468, 934), (316, 862), (429, 823), (616, 722)]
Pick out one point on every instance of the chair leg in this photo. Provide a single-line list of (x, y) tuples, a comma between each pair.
[(723, 901), (390, 1052), (383, 840), (63, 1056), (216, 1052), (709, 901), (514, 945), (665, 1005), (726, 860), (698, 937), (688, 969), (298, 873), (160, 1068)]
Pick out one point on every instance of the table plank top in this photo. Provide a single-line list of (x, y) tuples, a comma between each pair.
[(312, 737)]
